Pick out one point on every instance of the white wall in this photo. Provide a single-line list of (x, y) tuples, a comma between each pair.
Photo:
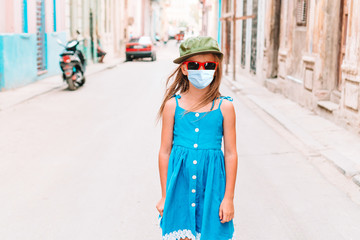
[(2, 17), (31, 16), (135, 11), (213, 18), (18, 16), (49, 16)]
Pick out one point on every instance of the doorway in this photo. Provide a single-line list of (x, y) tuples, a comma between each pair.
[(91, 31), (344, 14), (274, 41)]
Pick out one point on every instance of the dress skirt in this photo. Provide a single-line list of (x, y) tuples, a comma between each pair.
[(194, 191)]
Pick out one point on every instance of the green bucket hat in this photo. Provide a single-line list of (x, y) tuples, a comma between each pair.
[(195, 45)]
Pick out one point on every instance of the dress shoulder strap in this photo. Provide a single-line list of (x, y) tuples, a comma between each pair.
[(213, 104), (177, 96), (225, 97)]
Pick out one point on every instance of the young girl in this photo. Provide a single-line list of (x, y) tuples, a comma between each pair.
[(197, 179)]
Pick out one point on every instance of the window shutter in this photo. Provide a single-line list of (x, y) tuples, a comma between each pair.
[(301, 12)]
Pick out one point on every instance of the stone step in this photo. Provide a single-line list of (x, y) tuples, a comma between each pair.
[(328, 105)]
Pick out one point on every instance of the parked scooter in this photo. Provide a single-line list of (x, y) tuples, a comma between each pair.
[(72, 64)]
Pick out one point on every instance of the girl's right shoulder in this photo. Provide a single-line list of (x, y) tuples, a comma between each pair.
[(170, 105)]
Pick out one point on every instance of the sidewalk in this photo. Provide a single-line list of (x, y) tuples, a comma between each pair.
[(321, 136), (16, 96)]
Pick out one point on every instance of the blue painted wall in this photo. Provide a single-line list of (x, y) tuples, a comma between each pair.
[(1, 64), (18, 58), (53, 51)]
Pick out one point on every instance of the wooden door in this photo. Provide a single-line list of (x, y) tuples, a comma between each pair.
[(344, 13)]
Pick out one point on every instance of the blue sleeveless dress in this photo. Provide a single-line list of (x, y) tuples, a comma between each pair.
[(196, 179)]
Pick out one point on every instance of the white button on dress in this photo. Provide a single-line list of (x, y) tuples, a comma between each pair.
[(193, 204), (196, 130), (194, 177), (194, 162), (197, 114), (195, 145), (193, 191)]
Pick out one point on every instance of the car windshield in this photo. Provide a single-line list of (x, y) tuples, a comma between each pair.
[(134, 40), (145, 40)]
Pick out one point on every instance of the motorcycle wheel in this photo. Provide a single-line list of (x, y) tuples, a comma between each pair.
[(75, 84), (71, 84), (82, 82)]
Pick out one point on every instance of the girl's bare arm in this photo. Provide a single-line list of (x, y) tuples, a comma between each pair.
[(230, 152), (166, 142), (226, 210)]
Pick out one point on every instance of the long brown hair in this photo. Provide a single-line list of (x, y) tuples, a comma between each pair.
[(180, 84)]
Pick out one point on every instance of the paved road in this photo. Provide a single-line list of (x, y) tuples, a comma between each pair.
[(83, 165)]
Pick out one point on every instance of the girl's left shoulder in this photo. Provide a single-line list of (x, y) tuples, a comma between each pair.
[(227, 107)]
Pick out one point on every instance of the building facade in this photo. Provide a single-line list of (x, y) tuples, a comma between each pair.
[(159, 20), (29, 31), (242, 37), (100, 23), (312, 56), (210, 19), (28, 40), (106, 23)]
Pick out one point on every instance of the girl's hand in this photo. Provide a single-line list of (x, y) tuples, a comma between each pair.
[(226, 211), (160, 206)]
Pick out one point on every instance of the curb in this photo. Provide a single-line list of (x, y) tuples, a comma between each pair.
[(41, 90), (344, 165)]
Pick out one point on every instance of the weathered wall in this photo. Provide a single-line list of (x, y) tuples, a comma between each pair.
[(308, 58), (272, 38), (308, 54), (323, 44), (350, 98)]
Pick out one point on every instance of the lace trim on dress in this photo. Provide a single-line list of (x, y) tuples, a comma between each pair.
[(182, 234)]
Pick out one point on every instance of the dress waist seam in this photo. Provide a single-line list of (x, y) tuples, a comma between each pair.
[(192, 148)]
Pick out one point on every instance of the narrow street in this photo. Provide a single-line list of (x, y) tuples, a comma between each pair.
[(83, 165)]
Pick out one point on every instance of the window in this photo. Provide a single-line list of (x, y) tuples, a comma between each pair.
[(243, 36), (301, 12)]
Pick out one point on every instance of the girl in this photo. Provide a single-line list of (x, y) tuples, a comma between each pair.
[(197, 183)]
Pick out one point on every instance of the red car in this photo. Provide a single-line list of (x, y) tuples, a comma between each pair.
[(140, 48), (180, 36)]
